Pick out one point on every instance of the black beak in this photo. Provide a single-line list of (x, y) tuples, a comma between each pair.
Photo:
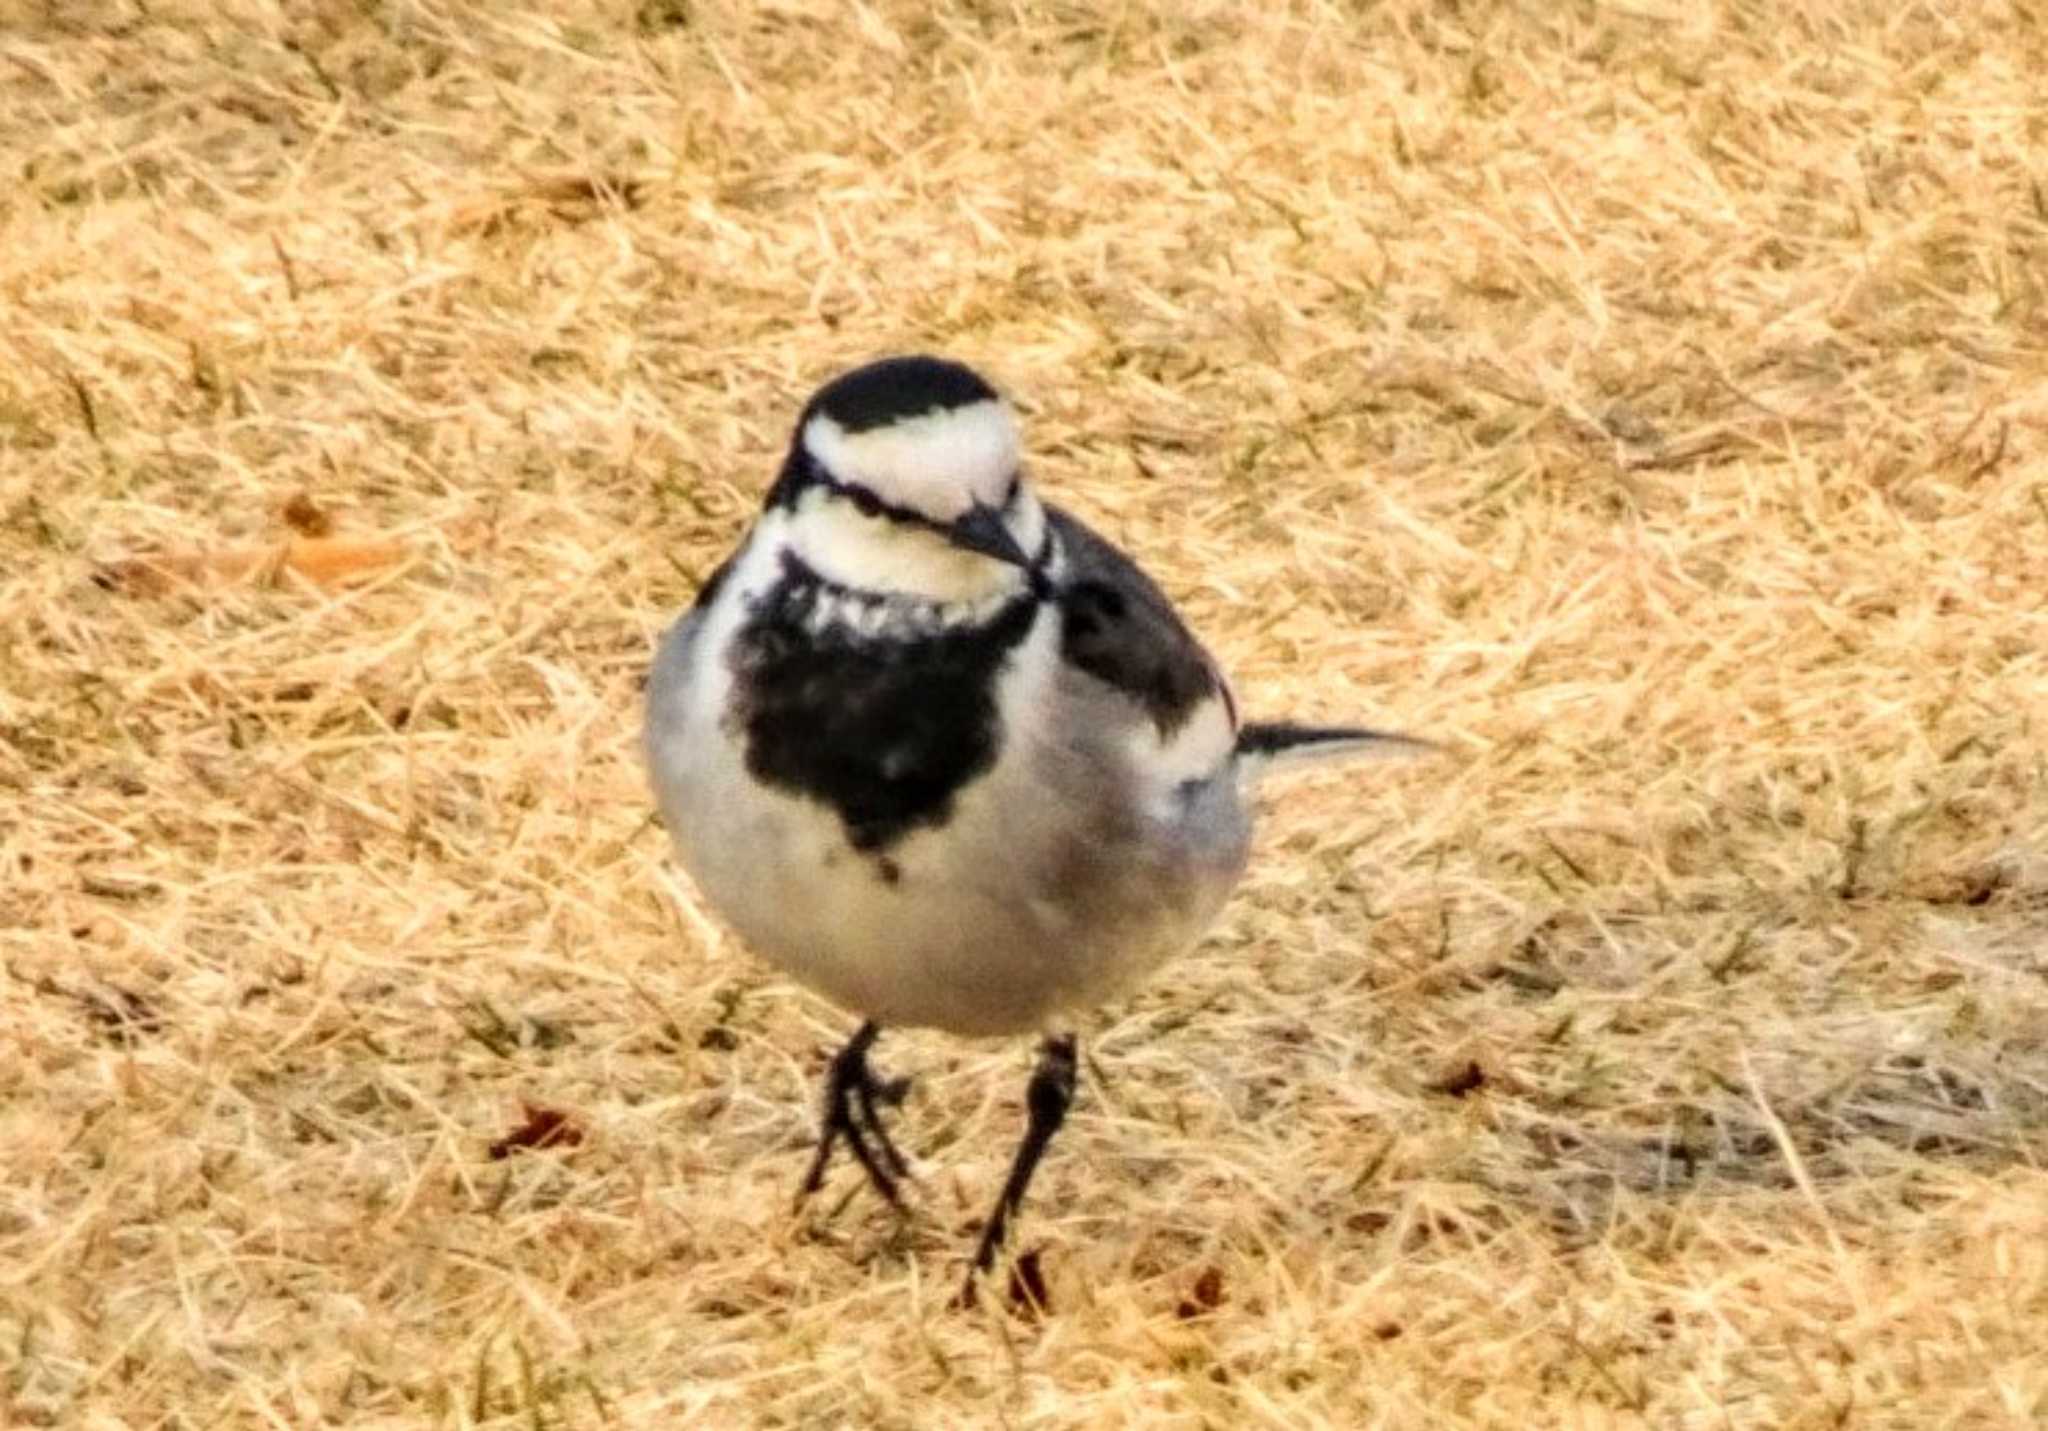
[(982, 531)]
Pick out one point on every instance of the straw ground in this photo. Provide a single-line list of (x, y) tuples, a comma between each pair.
[(1647, 402)]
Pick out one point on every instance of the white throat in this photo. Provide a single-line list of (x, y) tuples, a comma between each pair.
[(888, 558)]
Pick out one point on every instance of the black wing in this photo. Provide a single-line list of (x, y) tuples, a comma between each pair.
[(1120, 628)]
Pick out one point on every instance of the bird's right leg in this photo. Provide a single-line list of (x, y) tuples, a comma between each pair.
[(854, 1099)]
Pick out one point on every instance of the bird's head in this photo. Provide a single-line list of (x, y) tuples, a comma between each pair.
[(904, 477)]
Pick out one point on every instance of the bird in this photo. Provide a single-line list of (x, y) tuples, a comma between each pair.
[(942, 753)]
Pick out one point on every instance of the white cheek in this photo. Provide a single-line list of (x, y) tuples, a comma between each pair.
[(875, 554)]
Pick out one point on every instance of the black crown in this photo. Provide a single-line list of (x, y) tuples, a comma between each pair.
[(893, 389)]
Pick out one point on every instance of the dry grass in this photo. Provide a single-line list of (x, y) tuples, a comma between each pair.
[(1650, 402)]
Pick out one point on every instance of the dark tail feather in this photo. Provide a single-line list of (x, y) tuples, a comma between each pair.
[(1264, 743)]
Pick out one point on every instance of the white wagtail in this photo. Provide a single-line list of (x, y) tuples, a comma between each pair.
[(944, 754)]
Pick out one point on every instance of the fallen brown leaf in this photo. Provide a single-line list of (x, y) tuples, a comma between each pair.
[(326, 561), (568, 198), (307, 517), (1469, 1078), (1205, 1297), (543, 1128)]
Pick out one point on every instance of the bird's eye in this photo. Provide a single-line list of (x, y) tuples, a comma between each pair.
[(865, 502), (1016, 486)]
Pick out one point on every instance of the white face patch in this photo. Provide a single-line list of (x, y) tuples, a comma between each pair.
[(937, 465), (873, 554)]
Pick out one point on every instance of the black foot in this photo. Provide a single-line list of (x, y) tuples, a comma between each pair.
[(854, 1098), (1050, 1095)]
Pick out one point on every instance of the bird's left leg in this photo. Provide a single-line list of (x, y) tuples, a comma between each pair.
[(1050, 1095)]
